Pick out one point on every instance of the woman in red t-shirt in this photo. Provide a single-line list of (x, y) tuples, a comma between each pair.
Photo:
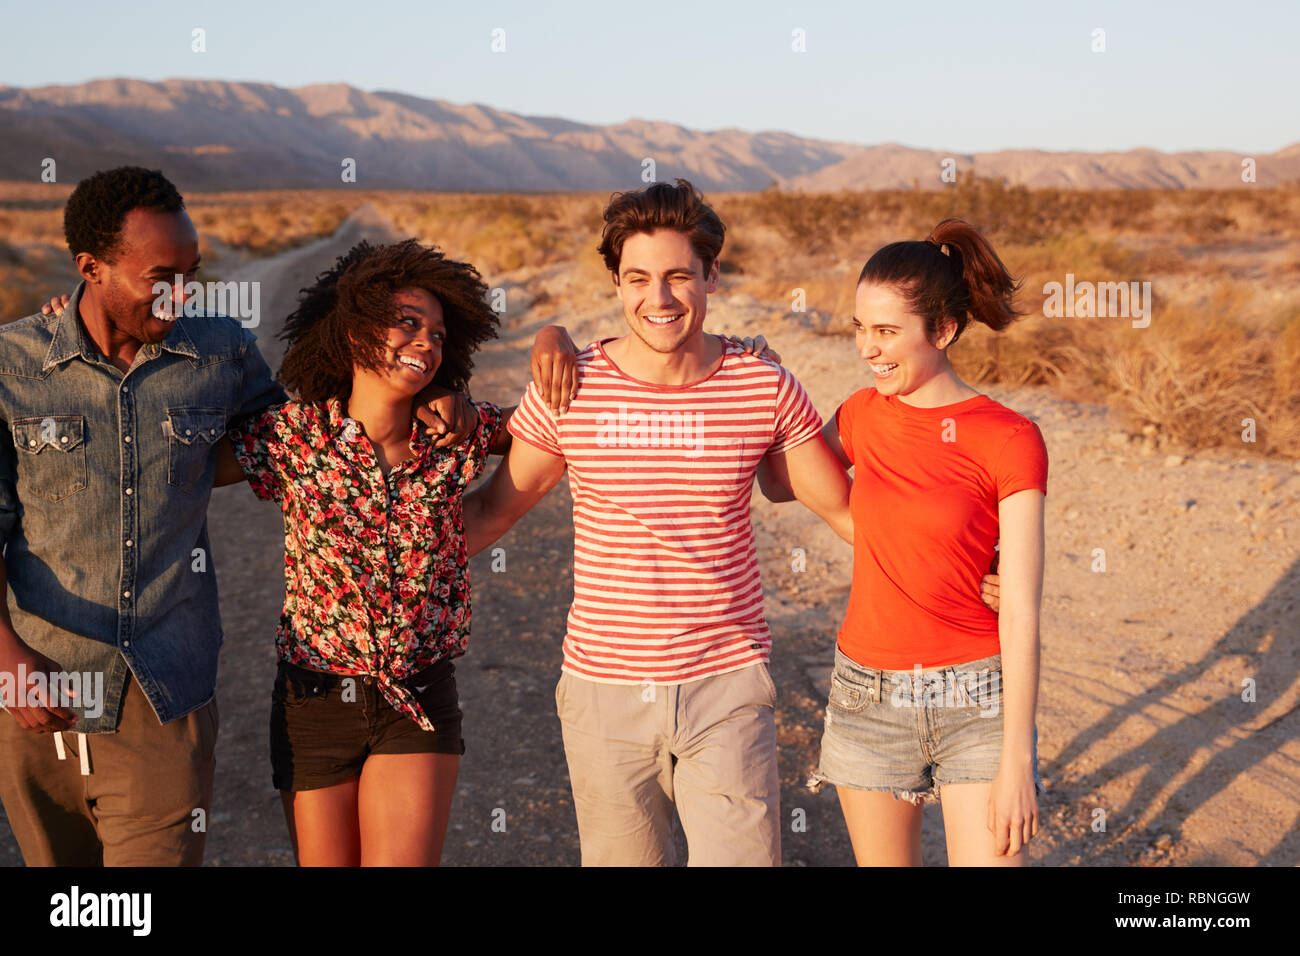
[(942, 474)]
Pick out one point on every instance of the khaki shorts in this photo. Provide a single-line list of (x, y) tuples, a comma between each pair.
[(707, 747)]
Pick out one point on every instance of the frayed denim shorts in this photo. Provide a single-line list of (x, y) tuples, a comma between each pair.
[(913, 732)]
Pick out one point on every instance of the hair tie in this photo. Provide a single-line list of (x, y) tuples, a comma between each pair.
[(934, 242)]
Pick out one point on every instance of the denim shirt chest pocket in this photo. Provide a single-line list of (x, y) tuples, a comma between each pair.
[(191, 433), (52, 450)]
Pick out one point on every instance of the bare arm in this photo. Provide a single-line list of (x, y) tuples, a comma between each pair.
[(522, 479), (816, 479), (228, 471), (1013, 805), (776, 488)]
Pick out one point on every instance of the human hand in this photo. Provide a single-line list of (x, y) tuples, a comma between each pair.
[(32, 707), (555, 367), (56, 305), (448, 417), (1013, 811), (756, 346)]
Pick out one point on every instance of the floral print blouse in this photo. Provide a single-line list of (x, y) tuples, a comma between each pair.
[(375, 569)]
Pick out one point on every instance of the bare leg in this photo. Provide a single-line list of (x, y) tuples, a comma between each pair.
[(965, 821), (405, 803), (323, 824), (884, 831)]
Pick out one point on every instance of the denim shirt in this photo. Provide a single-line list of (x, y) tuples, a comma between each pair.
[(105, 478)]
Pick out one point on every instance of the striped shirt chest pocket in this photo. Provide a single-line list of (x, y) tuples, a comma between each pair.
[(719, 465)]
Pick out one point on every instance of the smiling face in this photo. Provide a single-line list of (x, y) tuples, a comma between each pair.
[(664, 289), (155, 246), (892, 340), (413, 348)]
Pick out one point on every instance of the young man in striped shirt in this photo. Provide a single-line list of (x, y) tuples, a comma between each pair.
[(665, 697)]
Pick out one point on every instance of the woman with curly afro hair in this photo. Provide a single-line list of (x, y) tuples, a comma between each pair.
[(365, 724)]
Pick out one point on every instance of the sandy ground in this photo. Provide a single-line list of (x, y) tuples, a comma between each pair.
[(1141, 710)]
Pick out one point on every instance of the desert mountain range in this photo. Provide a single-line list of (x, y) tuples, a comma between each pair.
[(214, 135)]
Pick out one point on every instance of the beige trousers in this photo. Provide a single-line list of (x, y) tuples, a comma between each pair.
[(706, 746), (138, 797)]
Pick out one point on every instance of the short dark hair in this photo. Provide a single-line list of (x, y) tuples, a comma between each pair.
[(342, 320), (93, 217), (661, 206)]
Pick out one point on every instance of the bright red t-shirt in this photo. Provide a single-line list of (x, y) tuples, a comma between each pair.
[(926, 487)]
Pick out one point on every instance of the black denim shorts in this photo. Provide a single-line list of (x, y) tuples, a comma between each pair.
[(323, 727)]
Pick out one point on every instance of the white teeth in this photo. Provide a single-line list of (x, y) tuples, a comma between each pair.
[(884, 369), (412, 362), (662, 319)]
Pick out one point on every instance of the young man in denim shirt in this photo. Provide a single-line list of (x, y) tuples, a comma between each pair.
[(110, 413)]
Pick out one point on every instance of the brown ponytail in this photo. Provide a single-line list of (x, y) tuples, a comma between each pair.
[(969, 282)]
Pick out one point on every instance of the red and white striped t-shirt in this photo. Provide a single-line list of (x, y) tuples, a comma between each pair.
[(665, 574)]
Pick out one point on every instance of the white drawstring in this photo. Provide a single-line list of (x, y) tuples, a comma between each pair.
[(83, 746)]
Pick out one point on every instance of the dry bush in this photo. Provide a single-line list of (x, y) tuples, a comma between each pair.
[(1194, 374), (500, 233), (1196, 381), (30, 276), (1034, 351), (265, 224)]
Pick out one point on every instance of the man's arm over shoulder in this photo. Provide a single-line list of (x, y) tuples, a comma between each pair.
[(802, 463), (521, 480), (776, 488), (811, 474), (531, 468)]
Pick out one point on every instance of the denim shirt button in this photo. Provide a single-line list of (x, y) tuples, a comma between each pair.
[(31, 442), (63, 439), (126, 643), (129, 542), (128, 491), (127, 439), (126, 594)]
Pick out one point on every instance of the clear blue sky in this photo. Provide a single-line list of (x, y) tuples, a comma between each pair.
[(967, 77)]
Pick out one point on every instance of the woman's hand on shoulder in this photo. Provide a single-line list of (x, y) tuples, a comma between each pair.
[(757, 345), (554, 366), (56, 305)]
